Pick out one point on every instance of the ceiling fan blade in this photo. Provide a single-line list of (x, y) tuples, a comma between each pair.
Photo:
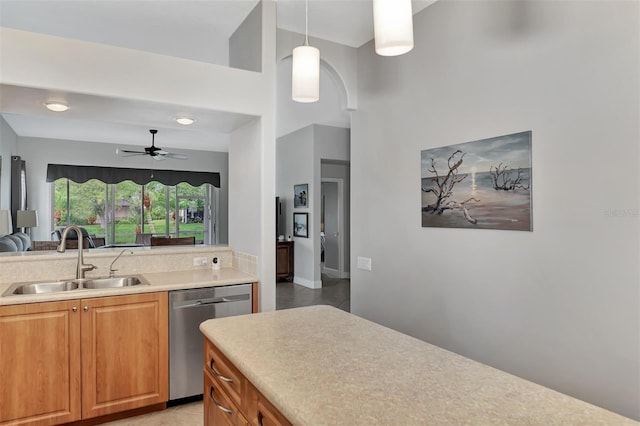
[(118, 151), (176, 156), (158, 157)]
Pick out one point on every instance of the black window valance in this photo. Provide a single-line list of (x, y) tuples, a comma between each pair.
[(80, 174)]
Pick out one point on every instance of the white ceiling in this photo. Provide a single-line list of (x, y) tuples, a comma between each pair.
[(192, 29)]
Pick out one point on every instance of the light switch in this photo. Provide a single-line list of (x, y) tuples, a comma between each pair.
[(364, 263)]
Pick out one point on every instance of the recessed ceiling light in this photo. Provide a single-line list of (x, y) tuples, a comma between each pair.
[(56, 106), (185, 121)]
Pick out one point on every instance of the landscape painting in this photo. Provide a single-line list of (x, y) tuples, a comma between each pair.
[(485, 184)]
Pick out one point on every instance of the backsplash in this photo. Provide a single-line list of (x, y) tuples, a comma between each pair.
[(35, 266), (245, 262)]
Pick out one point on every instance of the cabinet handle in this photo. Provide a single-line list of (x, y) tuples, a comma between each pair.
[(86, 308), (260, 417), (223, 409), (74, 309), (220, 376)]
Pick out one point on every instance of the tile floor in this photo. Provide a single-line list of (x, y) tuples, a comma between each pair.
[(334, 292), (190, 414)]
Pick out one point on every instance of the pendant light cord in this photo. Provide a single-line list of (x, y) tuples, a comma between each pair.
[(306, 22)]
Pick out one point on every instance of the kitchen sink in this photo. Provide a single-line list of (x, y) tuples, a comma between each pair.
[(70, 285), (38, 288), (113, 282)]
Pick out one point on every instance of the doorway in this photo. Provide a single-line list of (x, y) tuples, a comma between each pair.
[(331, 228)]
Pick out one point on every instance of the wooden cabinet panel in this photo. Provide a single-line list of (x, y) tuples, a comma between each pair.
[(124, 353), (268, 415), (284, 260), (40, 363)]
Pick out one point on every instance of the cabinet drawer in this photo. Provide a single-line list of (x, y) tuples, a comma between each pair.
[(218, 407), (268, 415), (224, 373)]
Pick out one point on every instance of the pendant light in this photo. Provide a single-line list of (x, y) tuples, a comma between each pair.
[(392, 27), (305, 71)]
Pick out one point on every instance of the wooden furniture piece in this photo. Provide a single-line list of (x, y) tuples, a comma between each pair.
[(284, 260), (230, 399), (178, 241), (121, 340)]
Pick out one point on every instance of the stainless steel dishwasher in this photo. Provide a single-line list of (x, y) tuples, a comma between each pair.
[(187, 309)]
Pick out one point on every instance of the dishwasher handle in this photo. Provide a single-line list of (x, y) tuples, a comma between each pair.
[(210, 301)]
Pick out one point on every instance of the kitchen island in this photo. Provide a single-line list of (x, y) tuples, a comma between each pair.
[(319, 366)]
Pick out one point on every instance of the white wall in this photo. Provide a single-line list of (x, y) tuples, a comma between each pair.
[(252, 170), (339, 60), (55, 63), (8, 147), (293, 115), (559, 305), (38, 153)]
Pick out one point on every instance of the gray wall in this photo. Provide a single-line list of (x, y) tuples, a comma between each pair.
[(559, 305), (245, 44), (38, 152)]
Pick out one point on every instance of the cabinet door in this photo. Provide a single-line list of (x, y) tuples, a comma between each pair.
[(124, 353), (40, 363)]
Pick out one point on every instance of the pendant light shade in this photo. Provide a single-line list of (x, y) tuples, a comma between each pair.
[(305, 74), (392, 27)]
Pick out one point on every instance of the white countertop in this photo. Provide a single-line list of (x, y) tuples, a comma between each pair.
[(159, 281), (322, 366)]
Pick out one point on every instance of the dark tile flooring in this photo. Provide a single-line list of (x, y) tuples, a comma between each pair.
[(335, 292)]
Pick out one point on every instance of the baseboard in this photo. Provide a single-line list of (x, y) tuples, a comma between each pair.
[(307, 283), (334, 273)]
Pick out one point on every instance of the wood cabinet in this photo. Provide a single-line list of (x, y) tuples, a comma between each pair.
[(40, 363), (124, 353), (284, 260), (72, 360), (230, 399)]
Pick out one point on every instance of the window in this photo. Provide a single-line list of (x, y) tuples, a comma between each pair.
[(119, 212)]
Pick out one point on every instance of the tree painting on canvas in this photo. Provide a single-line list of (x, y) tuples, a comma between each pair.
[(484, 184)]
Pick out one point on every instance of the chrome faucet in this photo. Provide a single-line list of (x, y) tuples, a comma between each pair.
[(111, 270), (81, 267)]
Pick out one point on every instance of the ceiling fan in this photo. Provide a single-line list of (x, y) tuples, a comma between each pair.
[(153, 151)]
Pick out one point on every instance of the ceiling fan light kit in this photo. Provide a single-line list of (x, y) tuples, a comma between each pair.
[(392, 27), (153, 151), (56, 106), (305, 69)]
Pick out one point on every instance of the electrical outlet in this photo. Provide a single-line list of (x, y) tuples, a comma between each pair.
[(364, 263), (199, 261)]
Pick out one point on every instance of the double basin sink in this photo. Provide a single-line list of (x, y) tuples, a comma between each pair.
[(75, 284)]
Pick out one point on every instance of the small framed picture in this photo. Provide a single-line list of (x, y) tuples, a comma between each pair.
[(300, 195), (301, 225)]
